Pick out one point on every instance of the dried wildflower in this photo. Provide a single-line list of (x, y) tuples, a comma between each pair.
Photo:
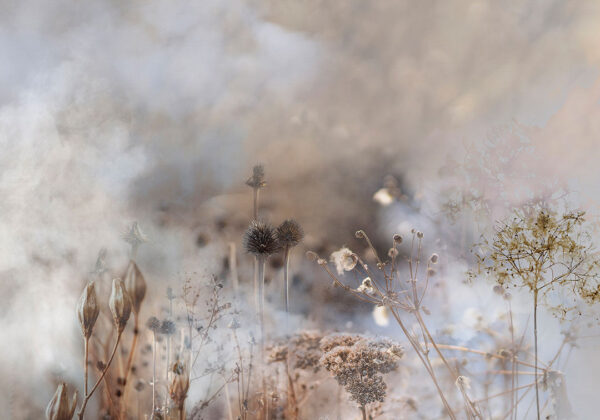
[(120, 304), (135, 284), (397, 239), (260, 239), (168, 327), (289, 233), (59, 407), (344, 260), (135, 237), (303, 350), (381, 315), (88, 310), (153, 324), (257, 180), (179, 384), (359, 366), (366, 286)]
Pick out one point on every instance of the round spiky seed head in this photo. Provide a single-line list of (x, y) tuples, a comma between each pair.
[(290, 233), (260, 239), (59, 408), (119, 304), (153, 324), (167, 327), (257, 180), (136, 285), (88, 310)]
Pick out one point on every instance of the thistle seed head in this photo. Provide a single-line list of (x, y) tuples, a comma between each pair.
[(120, 304), (257, 180), (136, 285), (88, 310), (290, 233), (167, 327), (59, 408), (153, 324), (260, 239)]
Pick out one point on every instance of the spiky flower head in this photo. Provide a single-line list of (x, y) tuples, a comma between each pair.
[(260, 239), (290, 233), (88, 310), (136, 285), (257, 180), (153, 324), (59, 407), (168, 327), (120, 304)]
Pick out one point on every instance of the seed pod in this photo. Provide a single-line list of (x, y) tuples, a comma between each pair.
[(180, 384), (136, 285), (87, 310), (59, 407), (120, 304)]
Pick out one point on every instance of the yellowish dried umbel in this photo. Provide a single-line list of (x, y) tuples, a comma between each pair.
[(88, 310), (120, 304), (135, 285), (59, 408)]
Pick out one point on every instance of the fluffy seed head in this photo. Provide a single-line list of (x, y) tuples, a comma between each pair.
[(257, 180), (260, 239), (290, 233), (136, 285), (120, 304), (88, 310), (59, 407)]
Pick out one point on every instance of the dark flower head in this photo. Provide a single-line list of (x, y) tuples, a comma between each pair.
[(260, 239), (167, 327), (290, 233), (153, 324), (257, 180)]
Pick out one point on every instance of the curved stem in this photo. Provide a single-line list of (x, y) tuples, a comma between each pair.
[(88, 396)]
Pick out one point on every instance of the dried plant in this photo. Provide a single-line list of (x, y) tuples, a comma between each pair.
[(256, 182), (546, 253), (358, 364), (289, 234), (60, 408)]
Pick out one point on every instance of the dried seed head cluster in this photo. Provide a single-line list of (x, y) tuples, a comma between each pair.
[(260, 239), (59, 407), (88, 310), (289, 233), (120, 304), (358, 363), (257, 180), (303, 349)]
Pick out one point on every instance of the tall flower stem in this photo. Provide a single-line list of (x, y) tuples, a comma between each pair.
[(85, 365), (153, 372), (535, 335), (286, 282), (88, 396), (129, 363)]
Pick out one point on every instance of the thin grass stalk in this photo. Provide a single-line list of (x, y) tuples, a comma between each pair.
[(88, 396), (535, 335)]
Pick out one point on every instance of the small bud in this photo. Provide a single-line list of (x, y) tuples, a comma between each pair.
[(392, 253), (59, 407), (120, 304), (135, 285), (397, 238), (434, 258), (420, 235), (87, 310), (359, 234)]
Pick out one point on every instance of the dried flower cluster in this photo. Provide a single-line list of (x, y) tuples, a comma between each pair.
[(358, 363)]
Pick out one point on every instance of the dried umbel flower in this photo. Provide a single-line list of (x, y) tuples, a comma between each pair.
[(135, 285), (88, 310), (344, 260), (289, 233), (119, 304), (59, 407), (260, 239), (257, 180)]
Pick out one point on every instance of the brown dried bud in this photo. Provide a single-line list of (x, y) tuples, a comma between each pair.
[(136, 285), (87, 310), (180, 384), (120, 304), (397, 238), (59, 407)]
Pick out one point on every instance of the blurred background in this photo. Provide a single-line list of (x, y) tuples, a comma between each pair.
[(383, 116)]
